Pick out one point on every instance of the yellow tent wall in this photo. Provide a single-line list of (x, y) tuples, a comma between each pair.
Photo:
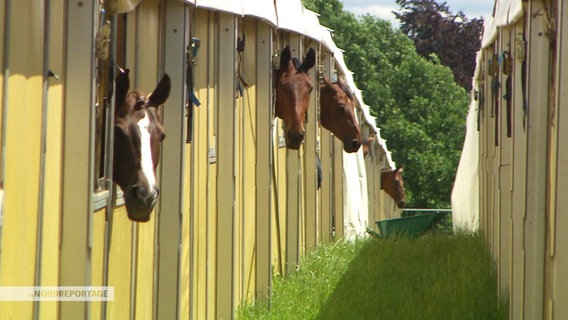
[(522, 174), (234, 205)]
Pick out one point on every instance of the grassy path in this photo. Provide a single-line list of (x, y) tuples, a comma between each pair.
[(435, 277)]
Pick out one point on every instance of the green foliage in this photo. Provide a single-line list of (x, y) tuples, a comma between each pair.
[(420, 109), (435, 29), (434, 277)]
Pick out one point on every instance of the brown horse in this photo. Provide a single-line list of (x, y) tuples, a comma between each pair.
[(138, 134), (392, 183), (293, 86), (338, 114)]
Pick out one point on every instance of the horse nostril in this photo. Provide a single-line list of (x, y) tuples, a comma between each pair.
[(355, 144), (135, 191), (297, 136), (144, 194), (152, 198)]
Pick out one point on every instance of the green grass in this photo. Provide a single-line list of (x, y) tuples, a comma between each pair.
[(301, 294), (434, 277)]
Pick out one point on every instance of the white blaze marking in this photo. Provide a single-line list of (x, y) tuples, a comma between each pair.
[(146, 161)]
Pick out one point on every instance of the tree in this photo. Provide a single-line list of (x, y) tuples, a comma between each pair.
[(435, 29), (419, 107)]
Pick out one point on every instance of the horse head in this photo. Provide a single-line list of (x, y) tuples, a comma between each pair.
[(338, 114), (367, 144), (293, 86), (138, 134), (392, 183)]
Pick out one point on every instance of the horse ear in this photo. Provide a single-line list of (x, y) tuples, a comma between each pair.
[(309, 61), (285, 57), (161, 93), (122, 83), (399, 170)]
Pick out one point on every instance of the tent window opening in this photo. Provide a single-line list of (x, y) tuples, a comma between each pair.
[(110, 53)]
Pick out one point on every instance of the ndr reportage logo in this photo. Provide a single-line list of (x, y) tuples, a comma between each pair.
[(55, 293)]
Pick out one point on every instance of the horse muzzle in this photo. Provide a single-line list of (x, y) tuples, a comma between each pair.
[(351, 146), (294, 139), (140, 202)]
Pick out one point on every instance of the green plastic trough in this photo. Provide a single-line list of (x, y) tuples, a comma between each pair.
[(413, 226)]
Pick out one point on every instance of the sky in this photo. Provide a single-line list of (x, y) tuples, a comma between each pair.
[(383, 8)]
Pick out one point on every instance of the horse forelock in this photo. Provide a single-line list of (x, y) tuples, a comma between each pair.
[(296, 62)]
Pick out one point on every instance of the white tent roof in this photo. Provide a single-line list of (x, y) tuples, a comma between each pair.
[(290, 15), (508, 12), (262, 9)]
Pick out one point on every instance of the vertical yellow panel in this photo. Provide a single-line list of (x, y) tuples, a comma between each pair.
[(377, 182), (559, 214), (310, 172), (186, 234), (505, 179), (212, 128), (293, 172), (238, 165), (326, 206), (371, 186), (145, 269), (4, 39), (250, 134), (225, 286), (76, 153), (338, 187), (505, 230), (53, 164), (327, 186), (146, 67), (170, 208), (538, 75), (279, 196), (519, 185), (263, 160), (200, 169), (119, 273), (187, 212), (22, 151), (97, 257), (301, 206)]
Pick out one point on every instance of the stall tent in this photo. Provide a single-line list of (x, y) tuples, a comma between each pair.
[(235, 205), (520, 89)]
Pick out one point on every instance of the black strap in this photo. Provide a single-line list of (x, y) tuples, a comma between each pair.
[(507, 70), (191, 59)]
